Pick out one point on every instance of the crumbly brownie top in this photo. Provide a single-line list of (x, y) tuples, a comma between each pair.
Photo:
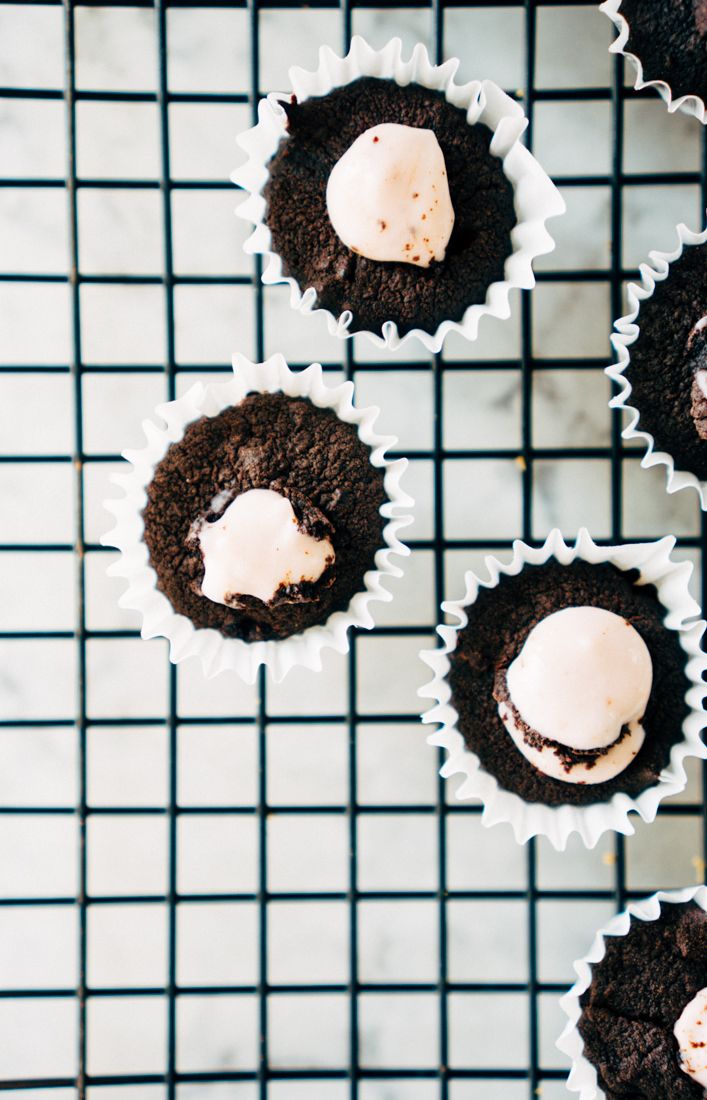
[(268, 441), (320, 132), (638, 992), (669, 37), (663, 361), (499, 622)]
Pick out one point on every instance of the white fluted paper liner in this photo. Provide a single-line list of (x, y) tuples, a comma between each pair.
[(627, 330), (216, 652), (558, 822), (536, 197), (583, 1076), (689, 104)]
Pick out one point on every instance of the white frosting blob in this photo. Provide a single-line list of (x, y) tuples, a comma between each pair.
[(582, 674), (388, 196), (545, 759), (691, 1034), (256, 546), (701, 379)]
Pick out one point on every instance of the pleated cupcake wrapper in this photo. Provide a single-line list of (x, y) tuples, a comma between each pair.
[(627, 330), (558, 823), (583, 1076), (536, 197), (216, 652), (689, 104)]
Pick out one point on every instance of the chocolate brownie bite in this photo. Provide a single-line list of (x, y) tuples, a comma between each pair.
[(667, 369), (644, 1014), (669, 38), (567, 685), (263, 520), (389, 204)]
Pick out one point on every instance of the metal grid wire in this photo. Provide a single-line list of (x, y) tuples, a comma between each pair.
[(526, 455)]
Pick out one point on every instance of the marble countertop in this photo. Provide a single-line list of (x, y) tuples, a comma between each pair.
[(121, 233)]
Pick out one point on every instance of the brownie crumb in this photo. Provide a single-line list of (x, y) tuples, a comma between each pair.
[(669, 37), (499, 623), (637, 994), (268, 441), (320, 131), (663, 361)]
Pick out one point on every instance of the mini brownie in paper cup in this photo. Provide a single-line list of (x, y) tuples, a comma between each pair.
[(666, 43), (568, 692), (637, 1014), (392, 199), (661, 372), (260, 521)]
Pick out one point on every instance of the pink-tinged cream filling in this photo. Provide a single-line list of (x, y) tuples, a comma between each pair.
[(256, 547), (581, 682), (388, 196), (691, 1034)]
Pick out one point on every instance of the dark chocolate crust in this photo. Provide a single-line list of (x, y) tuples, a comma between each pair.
[(320, 132), (567, 757), (669, 37), (268, 441), (499, 622), (637, 994), (662, 365)]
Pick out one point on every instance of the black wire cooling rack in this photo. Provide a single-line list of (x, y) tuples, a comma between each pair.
[(355, 1073)]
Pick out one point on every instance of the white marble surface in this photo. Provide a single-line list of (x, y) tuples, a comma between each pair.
[(121, 233)]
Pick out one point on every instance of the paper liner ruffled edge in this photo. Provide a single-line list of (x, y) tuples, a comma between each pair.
[(583, 1076), (536, 197), (690, 104), (627, 330), (216, 652), (558, 823)]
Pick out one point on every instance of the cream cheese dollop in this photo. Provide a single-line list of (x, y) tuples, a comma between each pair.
[(388, 196), (698, 393), (582, 676), (700, 10), (691, 1034), (256, 547), (696, 328)]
